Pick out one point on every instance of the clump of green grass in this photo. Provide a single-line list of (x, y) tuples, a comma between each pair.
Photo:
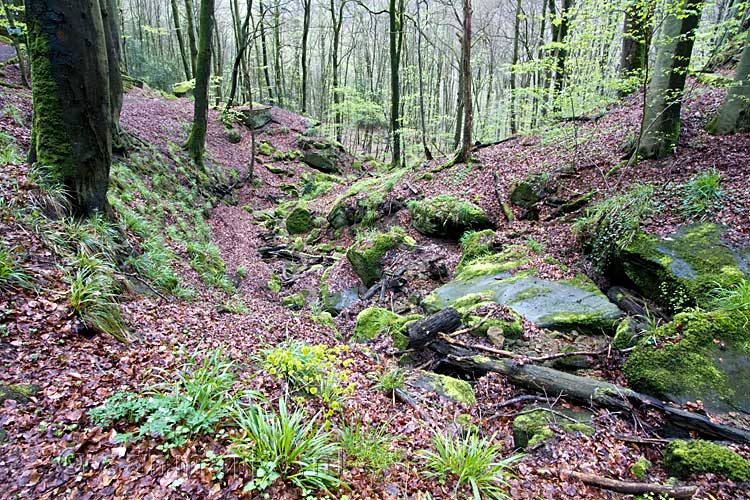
[(287, 446), (12, 273), (369, 446), (733, 298), (391, 380), (703, 195), (472, 463)]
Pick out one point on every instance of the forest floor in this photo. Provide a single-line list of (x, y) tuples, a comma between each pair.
[(50, 447)]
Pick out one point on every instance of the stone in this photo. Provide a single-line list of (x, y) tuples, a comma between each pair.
[(255, 117), (299, 221), (365, 256), (527, 192), (374, 321), (683, 458), (447, 217), (20, 393), (531, 428), (183, 89), (683, 269), (447, 387)]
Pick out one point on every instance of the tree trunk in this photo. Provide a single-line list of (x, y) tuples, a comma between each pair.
[(277, 67), (514, 61), (734, 114), (661, 119), (112, 38), (264, 50), (186, 65), (196, 143), (336, 20), (467, 88), (307, 5), (191, 35), (10, 17), (243, 42), (71, 129), (636, 37), (427, 152), (396, 37)]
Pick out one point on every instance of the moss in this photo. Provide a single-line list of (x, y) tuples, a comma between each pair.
[(683, 458), (624, 334), (691, 264), (588, 321), (512, 329), (528, 293), (299, 221), (274, 284), (295, 301), (530, 429), (451, 388), (686, 359), (49, 134), (446, 216), (476, 244), (21, 393), (183, 88), (374, 321), (472, 301), (508, 260), (583, 282), (640, 467), (365, 256), (266, 149)]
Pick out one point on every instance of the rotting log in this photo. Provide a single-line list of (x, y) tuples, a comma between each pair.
[(555, 383), (425, 330), (630, 488)]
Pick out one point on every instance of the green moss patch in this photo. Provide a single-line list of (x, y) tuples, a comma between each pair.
[(683, 458), (375, 321), (532, 428), (365, 256), (447, 217), (451, 388), (299, 221), (699, 355)]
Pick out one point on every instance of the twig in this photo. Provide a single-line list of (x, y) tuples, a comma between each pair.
[(145, 283)]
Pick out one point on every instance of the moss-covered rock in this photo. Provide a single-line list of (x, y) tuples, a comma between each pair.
[(640, 468), (374, 321), (365, 255), (265, 148), (683, 269), (451, 388), (299, 221), (683, 458), (295, 301), (699, 355), (184, 89), (529, 191), (475, 244), (530, 429), (255, 116), (21, 393), (232, 135), (447, 217)]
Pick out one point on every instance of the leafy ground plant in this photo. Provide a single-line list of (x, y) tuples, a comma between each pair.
[(196, 401), (12, 273), (472, 463), (287, 445), (368, 446)]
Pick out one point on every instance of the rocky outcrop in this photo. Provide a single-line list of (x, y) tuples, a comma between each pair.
[(447, 217)]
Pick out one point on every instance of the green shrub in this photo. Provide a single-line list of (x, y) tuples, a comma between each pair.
[(702, 195), (472, 463), (289, 446), (315, 370), (610, 225)]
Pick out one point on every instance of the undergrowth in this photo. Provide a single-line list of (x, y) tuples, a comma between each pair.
[(702, 195)]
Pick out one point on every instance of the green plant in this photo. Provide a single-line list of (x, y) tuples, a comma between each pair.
[(534, 245), (205, 259), (736, 297), (391, 380), (155, 264), (472, 463), (92, 297), (368, 446), (287, 445), (15, 114), (235, 305), (610, 225), (193, 402), (703, 195), (241, 273), (316, 370), (12, 273)]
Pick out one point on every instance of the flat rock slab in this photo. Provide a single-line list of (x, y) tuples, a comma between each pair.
[(549, 304)]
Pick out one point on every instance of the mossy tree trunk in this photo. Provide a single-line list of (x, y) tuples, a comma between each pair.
[(72, 123), (191, 35), (196, 143), (467, 82), (661, 119), (734, 114), (186, 65), (396, 39)]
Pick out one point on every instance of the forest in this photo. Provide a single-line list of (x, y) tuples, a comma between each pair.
[(388, 249)]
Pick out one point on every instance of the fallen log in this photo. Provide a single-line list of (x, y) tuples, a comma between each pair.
[(553, 383), (425, 330), (633, 488)]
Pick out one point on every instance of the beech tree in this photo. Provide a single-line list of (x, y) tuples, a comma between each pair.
[(72, 121), (636, 36), (196, 143), (734, 114), (661, 119)]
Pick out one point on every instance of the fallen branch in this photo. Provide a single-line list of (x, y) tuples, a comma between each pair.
[(519, 357), (633, 488)]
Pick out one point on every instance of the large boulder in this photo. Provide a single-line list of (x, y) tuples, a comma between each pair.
[(527, 192), (447, 217), (683, 458), (299, 221), (322, 155), (255, 116), (683, 269), (575, 304), (700, 355)]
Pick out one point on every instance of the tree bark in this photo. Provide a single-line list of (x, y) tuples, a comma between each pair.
[(514, 62), (111, 23), (196, 143), (636, 37), (424, 331), (191, 35), (71, 129), (661, 119), (395, 44), (467, 88), (734, 114), (307, 5), (10, 17)]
